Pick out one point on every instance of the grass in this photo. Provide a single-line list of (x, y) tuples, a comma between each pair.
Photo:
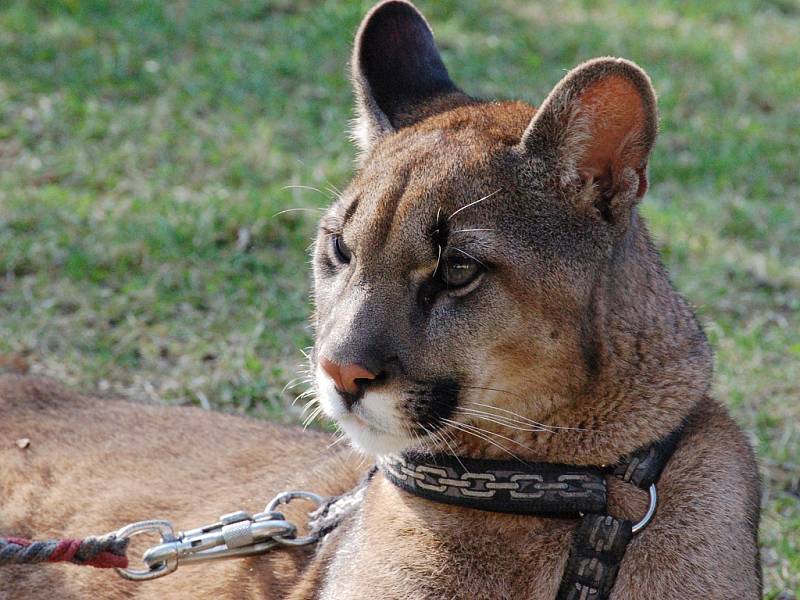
[(145, 150)]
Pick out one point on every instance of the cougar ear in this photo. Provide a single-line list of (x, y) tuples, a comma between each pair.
[(398, 75), (597, 127)]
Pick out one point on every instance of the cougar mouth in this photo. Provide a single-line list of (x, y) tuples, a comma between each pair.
[(383, 421)]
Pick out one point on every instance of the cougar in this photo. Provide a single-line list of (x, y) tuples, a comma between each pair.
[(485, 289)]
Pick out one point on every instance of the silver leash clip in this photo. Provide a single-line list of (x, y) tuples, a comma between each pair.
[(234, 535)]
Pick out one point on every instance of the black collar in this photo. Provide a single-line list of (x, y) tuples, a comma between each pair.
[(546, 489), (509, 486), (513, 486)]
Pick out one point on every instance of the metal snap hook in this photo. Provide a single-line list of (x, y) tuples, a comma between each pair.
[(234, 535), (166, 532)]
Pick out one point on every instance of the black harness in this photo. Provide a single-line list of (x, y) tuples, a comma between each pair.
[(543, 489), (550, 490)]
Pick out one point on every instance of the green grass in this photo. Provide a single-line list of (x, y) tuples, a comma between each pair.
[(145, 148)]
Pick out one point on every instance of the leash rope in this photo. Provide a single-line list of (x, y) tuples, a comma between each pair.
[(103, 552), (336, 509)]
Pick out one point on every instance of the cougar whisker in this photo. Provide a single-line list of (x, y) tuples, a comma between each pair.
[(510, 393), (551, 428), (467, 230), (439, 436), (430, 435), (339, 436), (461, 427), (515, 415), (468, 255), (493, 433), (334, 191), (311, 417), (299, 208), (333, 187), (308, 405), (418, 440), (466, 206), (515, 395), (309, 392), (452, 450), (295, 382), (304, 187), (502, 421), (438, 260)]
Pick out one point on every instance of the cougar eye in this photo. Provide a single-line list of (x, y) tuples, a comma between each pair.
[(340, 249), (459, 272)]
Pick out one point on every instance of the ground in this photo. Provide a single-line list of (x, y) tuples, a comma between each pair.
[(148, 152)]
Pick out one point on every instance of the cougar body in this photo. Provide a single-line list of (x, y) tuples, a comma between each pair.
[(485, 287)]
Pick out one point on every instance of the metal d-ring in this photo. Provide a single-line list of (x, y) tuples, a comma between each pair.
[(651, 510), (286, 498)]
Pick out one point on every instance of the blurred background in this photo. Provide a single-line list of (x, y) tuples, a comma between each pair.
[(146, 148)]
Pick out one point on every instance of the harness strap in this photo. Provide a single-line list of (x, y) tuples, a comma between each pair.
[(600, 541), (598, 546), (643, 467)]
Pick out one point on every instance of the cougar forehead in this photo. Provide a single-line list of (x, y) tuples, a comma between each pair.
[(439, 172), (438, 164)]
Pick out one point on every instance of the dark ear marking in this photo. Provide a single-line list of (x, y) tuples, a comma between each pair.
[(350, 210), (597, 127), (398, 74), (399, 60)]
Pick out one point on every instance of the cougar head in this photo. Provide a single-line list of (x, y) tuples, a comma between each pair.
[(461, 281)]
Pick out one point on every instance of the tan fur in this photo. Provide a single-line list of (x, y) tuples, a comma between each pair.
[(94, 465), (572, 323)]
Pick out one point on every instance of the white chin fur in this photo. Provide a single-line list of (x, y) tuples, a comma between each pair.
[(374, 428)]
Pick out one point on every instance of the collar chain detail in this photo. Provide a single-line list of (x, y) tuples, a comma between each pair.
[(544, 489)]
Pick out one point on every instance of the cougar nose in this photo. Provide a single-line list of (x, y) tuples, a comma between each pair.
[(349, 379)]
